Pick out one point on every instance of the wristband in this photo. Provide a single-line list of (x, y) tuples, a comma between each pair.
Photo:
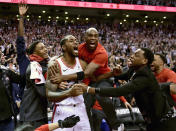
[(80, 75), (88, 89), (97, 90), (60, 123)]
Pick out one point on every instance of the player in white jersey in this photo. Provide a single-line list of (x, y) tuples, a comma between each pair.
[(68, 64)]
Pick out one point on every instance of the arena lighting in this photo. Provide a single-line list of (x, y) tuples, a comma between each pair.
[(87, 18), (156, 24), (154, 21), (39, 16), (18, 19), (127, 15), (120, 23), (107, 14), (162, 21), (77, 18), (43, 11), (17, 15), (137, 21), (57, 17), (49, 20), (66, 13), (146, 16), (164, 17), (124, 20), (27, 16), (72, 21), (49, 17), (66, 18), (27, 19), (145, 21), (95, 5)]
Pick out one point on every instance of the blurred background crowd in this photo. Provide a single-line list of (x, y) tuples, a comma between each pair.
[(119, 40)]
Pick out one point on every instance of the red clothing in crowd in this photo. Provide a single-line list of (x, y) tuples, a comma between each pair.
[(43, 128), (167, 75), (99, 56)]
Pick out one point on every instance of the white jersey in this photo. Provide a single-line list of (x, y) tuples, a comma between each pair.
[(66, 70)]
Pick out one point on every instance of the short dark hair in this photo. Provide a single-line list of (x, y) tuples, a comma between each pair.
[(63, 40), (31, 48), (163, 58), (148, 54)]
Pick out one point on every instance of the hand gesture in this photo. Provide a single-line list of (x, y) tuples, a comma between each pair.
[(22, 8), (57, 79), (127, 105), (54, 69), (117, 70), (54, 74), (81, 86), (68, 121), (133, 101), (63, 85), (75, 90)]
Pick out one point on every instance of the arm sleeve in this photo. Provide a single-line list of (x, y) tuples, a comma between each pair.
[(22, 60), (41, 90), (122, 98), (171, 77), (131, 87), (14, 77), (43, 128), (124, 76)]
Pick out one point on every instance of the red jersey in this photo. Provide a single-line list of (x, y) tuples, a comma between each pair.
[(167, 75), (99, 56)]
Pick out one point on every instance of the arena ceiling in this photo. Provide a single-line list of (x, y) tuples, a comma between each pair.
[(11, 10)]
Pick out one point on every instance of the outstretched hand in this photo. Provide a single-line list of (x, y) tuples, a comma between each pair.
[(23, 8), (68, 121), (127, 105), (116, 69)]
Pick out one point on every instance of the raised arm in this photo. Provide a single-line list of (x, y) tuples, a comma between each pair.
[(22, 11)]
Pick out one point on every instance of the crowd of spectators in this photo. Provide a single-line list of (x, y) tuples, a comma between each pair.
[(171, 3), (119, 40)]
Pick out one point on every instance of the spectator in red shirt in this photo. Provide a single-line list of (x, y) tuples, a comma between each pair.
[(161, 73)]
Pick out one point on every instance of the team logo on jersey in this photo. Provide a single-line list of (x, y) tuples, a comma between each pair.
[(65, 70)]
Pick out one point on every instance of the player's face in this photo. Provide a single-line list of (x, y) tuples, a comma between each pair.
[(72, 46), (138, 59), (41, 50), (91, 39), (156, 63)]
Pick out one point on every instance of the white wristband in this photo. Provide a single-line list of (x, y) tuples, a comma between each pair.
[(88, 89)]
